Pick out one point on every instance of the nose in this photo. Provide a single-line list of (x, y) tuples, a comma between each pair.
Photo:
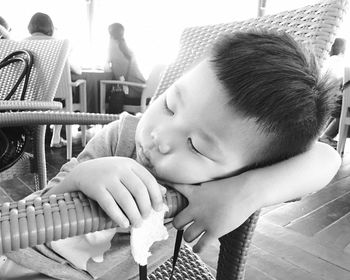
[(161, 143)]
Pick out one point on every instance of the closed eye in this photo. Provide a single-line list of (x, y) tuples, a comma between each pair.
[(192, 147), (166, 107)]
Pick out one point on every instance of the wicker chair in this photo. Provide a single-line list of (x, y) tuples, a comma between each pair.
[(50, 59), (65, 92), (315, 25)]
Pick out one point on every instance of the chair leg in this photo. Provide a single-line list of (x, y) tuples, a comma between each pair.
[(83, 135), (102, 97), (39, 162), (343, 132), (83, 108), (69, 141)]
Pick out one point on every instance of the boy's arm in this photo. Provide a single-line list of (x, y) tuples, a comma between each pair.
[(4, 34), (296, 177), (218, 207)]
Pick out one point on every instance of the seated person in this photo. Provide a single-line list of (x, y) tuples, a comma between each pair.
[(4, 29), (231, 134), (122, 62), (41, 27)]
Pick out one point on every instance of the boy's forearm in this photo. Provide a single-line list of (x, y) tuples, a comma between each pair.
[(295, 177)]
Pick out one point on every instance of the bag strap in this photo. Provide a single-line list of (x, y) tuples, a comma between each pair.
[(27, 59), (178, 240), (143, 268)]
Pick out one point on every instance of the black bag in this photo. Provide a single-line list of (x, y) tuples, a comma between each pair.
[(13, 139), (116, 99)]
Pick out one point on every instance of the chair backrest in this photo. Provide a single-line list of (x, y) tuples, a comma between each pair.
[(50, 57), (64, 88), (151, 85), (314, 25)]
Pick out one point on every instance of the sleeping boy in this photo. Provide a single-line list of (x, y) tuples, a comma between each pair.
[(235, 133)]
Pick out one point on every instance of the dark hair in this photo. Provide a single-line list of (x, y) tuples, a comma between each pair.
[(116, 31), (42, 23), (270, 78), (338, 46), (4, 23)]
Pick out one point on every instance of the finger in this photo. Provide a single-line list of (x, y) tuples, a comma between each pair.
[(109, 205), (126, 202), (204, 241), (154, 189), (139, 191), (192, 232), (182, 219)]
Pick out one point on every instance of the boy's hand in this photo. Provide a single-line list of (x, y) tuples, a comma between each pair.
[(123, 188), (215, 208)]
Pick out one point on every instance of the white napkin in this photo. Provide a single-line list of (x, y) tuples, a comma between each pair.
[(151, 230)]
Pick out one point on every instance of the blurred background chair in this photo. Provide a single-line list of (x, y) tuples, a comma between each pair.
[(65, 92), (35, 112), (49, 59), (345, 114), (149, 89), (315, 26)]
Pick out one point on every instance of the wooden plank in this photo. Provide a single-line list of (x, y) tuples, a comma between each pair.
[(308, 244), (344, 171), (300, 258), (4, 196), (275, 267), (324, 216), (290, 211), (253, 273), (16, 189), (336, 234), (268, 209)]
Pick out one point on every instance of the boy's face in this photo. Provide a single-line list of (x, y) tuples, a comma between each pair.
[(190, 134)]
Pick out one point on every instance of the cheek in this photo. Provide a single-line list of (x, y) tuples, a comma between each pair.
[(184, 170)]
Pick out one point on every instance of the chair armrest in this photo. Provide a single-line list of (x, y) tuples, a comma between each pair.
[(75, 208), (234, 248), (29, 105), (77, 83), (123, 83), (53, 117)]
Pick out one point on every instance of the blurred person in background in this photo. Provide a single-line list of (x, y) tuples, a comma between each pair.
[(121, 61), (4, 29), (41, 27)]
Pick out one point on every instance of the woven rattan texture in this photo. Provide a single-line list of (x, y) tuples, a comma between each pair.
[(54, 117), (188, 266), (313, 26), (27, 223), (49, 59), (22, 164), (234, 250)]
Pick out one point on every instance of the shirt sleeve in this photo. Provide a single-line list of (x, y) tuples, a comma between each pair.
[(101, 145)]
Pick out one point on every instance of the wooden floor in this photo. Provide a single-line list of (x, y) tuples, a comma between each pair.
[(303, 240)]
